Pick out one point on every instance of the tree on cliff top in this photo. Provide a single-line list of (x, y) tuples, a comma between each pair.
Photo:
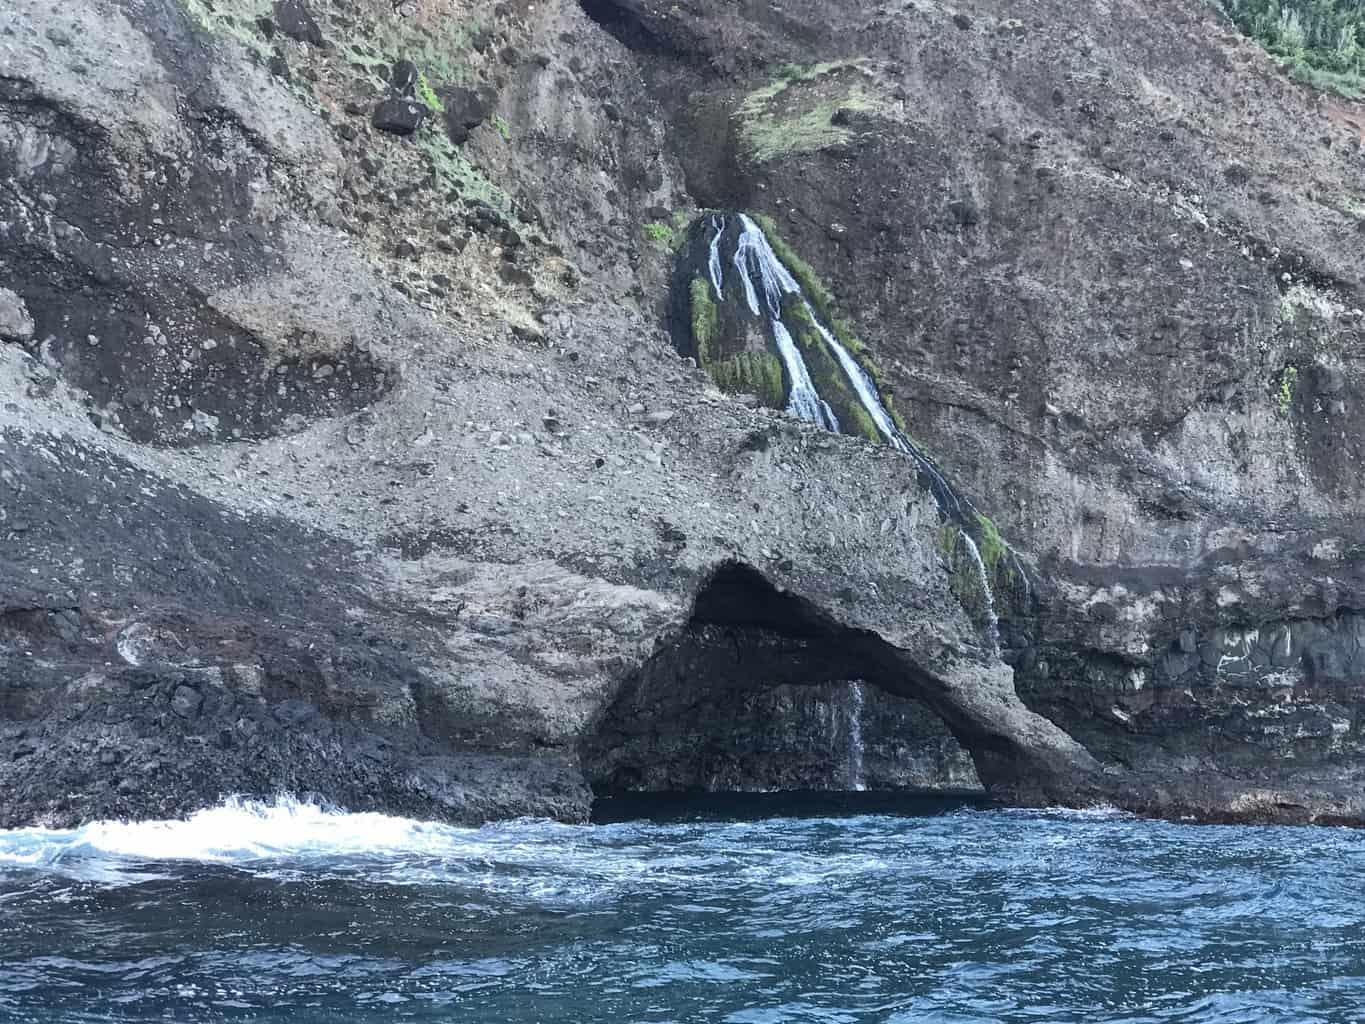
[(1322, 41)]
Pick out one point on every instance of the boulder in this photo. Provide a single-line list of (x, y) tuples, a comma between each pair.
[(398, 116)]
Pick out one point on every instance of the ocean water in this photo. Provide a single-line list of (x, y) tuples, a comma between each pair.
[(826, 912)]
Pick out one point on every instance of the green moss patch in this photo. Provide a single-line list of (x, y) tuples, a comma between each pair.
[(752, 373), (829, 376), (705, 321), (438, 52), (856, 418), (235, 18), (454, 172), (796, 113), (428, 96), (993, 546)]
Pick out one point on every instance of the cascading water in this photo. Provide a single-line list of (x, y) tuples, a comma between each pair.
[(717, 273), (753, 255), (855, 737), (766, 282), (988, 597)]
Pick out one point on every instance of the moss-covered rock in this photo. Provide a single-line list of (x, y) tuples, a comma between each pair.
[(705, 321), (805, 110), (829, 376), (752, 373)]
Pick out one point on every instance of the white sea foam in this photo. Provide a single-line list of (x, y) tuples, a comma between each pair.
[(238, 831), (535, 860)]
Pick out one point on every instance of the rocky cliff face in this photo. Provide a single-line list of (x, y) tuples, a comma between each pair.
[(355, 438)]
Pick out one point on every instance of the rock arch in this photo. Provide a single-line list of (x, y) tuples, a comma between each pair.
[(690, 716)]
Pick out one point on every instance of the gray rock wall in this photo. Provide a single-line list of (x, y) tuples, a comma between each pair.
[(353, 460)]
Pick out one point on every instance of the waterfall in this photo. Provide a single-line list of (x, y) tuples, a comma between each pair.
[(989, 597), (754, 254), (760, 271), (804, 400), (855, 737), (716, 273)]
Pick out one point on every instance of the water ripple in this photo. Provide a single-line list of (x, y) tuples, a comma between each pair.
[(287, 912)]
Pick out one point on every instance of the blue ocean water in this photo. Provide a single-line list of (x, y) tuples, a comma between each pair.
[(286, 912)]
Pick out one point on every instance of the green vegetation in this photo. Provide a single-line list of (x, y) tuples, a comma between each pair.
[(829, 376), (754, 373), (822, 299), (993, 546), (658, 232), (235, 18), (373, 46), (1289, 381), (1003, 570), (1320, 42), (963, 579), (817, 293), (454, 173), (896, 417), (504, 129), (437, 51), (948, 535), (795, 113), (428, 96), (705, 321), (669, 234), (819, 296)]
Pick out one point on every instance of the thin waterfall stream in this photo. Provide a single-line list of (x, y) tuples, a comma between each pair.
[(856, 780)]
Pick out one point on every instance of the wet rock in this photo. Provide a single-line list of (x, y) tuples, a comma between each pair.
[(398, 116), (15, 322), (295, 19)]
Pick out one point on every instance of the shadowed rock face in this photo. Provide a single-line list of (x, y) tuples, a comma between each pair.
[(745, 637), (344, 461)]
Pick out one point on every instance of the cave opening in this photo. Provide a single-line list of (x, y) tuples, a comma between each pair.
[(763, 692)]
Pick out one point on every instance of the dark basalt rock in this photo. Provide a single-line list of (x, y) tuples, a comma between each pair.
[(398, 116), (307, 703), (403, 78), (465, 110)]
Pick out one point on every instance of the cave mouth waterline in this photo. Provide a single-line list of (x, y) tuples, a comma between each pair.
[(763, 693), (610, 808)]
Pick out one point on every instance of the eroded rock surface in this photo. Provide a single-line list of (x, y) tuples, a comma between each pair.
[(345, 461)]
